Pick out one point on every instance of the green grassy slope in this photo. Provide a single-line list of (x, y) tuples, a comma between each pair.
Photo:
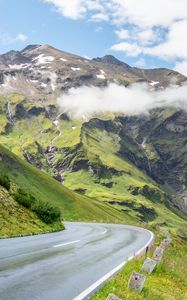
[(17, 220), (43, 187), (167, 282), (112, 180), (101, 158)]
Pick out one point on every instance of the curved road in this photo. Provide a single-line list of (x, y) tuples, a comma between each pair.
[(66, 265)]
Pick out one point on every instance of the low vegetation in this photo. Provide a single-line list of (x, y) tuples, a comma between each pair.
[(167, 282), (5, 181), (73, 206), (16, 220), (21, 213), (47, 212)]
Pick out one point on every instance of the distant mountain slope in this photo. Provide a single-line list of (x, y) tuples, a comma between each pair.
[(131, 167), (42, 72), (43, 187)]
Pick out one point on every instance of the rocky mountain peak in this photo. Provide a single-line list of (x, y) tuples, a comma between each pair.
[(30, 47), (13, 57), (46, 72), (110, 59)]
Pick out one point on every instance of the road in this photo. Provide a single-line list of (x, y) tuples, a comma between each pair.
[(66, 265)]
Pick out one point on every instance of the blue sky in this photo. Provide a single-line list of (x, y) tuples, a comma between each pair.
[(143, 33)]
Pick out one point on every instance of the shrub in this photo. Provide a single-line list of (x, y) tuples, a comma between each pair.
[(45, 211), (24, 198), (5, 181)]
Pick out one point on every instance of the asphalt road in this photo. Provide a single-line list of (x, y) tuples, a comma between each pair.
[(66, 265)]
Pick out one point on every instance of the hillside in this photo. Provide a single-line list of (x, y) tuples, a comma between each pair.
[(119, 168), (17, 220), (45, 188)]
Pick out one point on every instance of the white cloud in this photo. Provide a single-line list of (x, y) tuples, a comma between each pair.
[(144, 13), (99, 17), (155, 27), (76, 9), (181, 67), (140, 63), (122, 34), (175, 45), (128, 48), (136, 99), (146, 36), (6, 39), (147, 13), (21, 37)]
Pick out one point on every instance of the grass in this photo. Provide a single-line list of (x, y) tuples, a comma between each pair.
[(167, 282), (16, 98), (74, 207), (17, 220), (100, 144)]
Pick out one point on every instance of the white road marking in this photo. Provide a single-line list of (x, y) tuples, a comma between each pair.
[(99, 282), (65, 244)]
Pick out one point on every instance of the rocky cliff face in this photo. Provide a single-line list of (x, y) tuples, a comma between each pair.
[(106, 157)]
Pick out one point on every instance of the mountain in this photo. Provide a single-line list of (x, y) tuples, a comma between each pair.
[(18, 220), (135, 166), (44, 188), (41, 72)]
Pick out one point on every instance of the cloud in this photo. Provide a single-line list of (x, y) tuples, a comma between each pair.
[(173, 47), (75, 9), (146, 36), (99, 17), (181, 67), (132, 100), (128, 48), (147, 14), (21, 37), (140, 63), (144, 13), (122, 34), (6, 39), (153, 28)]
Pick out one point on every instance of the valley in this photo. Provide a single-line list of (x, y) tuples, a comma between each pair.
[(131, 166)]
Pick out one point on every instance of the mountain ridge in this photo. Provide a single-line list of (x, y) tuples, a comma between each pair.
[(42, 70), (119, 160)]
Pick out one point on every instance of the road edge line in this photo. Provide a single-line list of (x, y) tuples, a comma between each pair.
[(87, 292)]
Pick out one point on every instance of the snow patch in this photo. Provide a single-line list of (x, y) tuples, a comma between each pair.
[(33, 80), (153, 83), (100, 76), (53, 86), (75, 69), (55, 122), (18, 67), (102, 72), (42, 59), (43, 84), (63, 59)]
